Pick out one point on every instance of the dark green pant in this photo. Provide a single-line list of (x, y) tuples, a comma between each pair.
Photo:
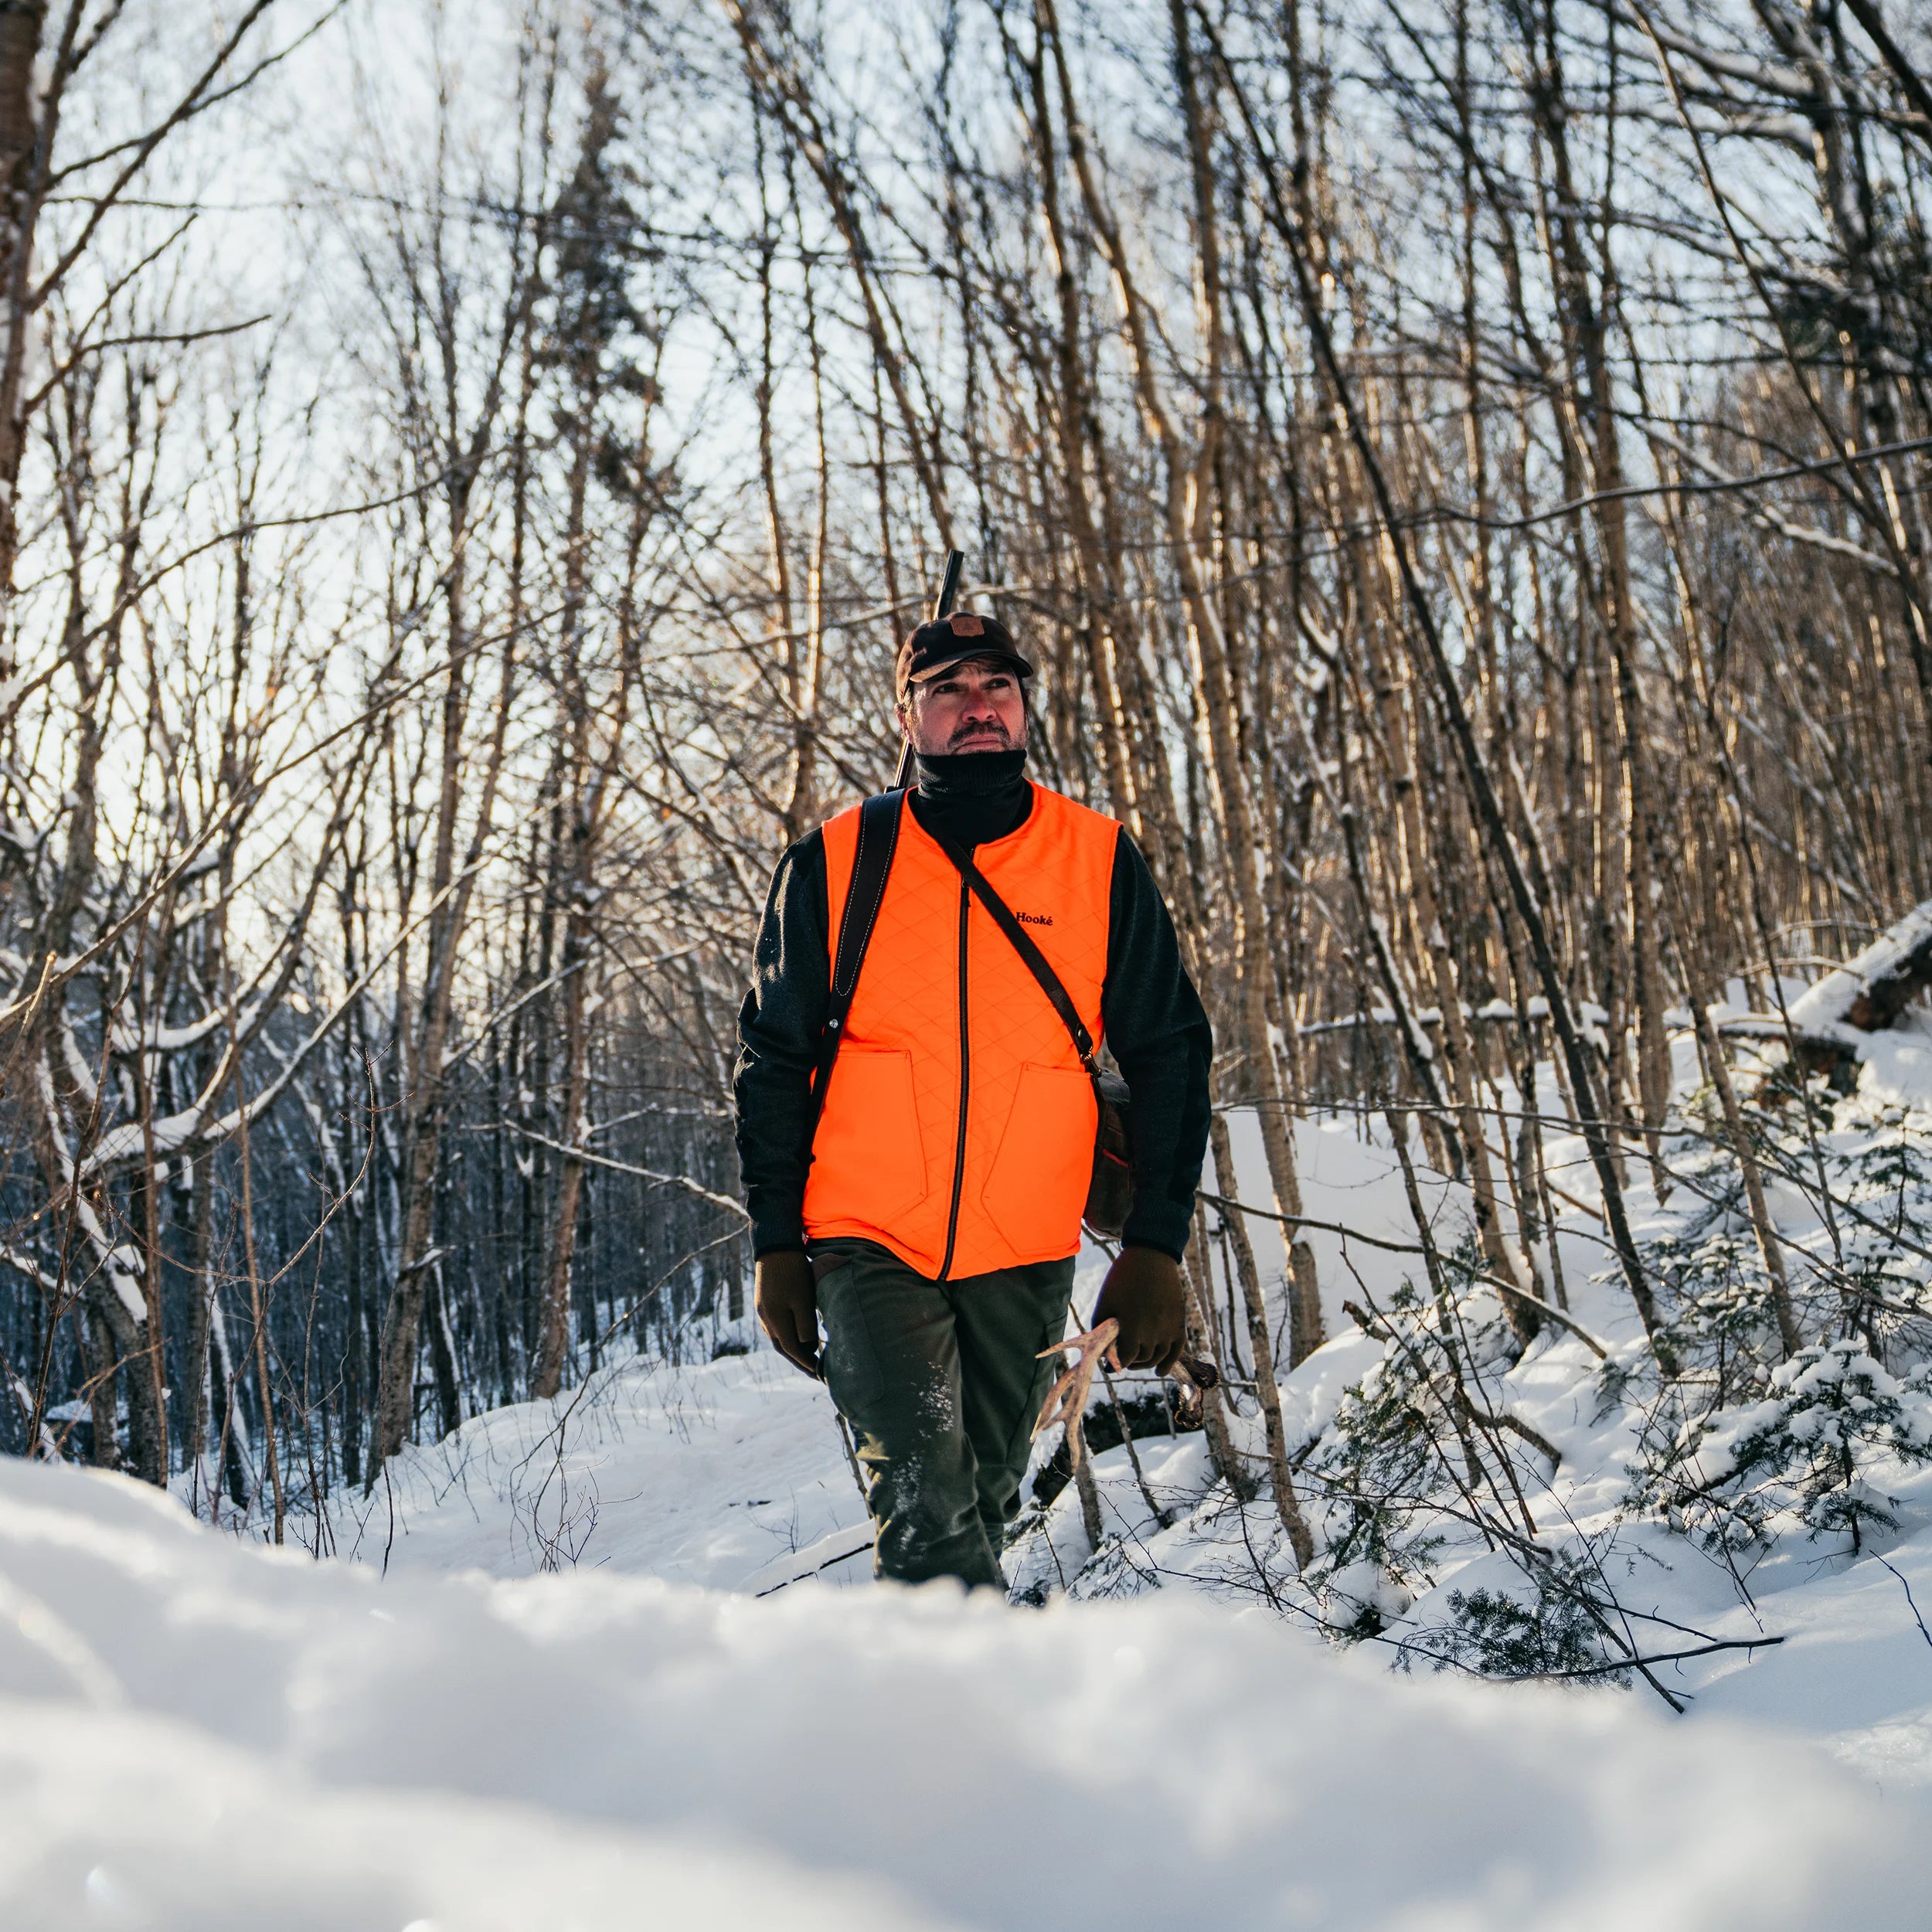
[(940, 1382)]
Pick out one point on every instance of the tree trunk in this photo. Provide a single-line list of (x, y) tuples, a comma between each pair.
[(1261, 1347)]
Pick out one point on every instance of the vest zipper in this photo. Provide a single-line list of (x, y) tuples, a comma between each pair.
[(965, 1082)]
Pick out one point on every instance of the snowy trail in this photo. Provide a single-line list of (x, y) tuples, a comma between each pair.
[(200, 1733), (729, 1475)]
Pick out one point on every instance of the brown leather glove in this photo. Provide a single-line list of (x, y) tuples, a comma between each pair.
[(1143, 1293), (787, 1300)]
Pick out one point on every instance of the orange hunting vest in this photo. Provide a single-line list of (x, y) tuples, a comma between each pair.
[(958, 1126)]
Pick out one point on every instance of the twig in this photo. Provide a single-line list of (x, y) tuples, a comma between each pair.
[(1911, 1604), (1610, 1667), (843, 1557)]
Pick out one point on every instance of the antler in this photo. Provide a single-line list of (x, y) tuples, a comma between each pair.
[(1066, 1400), (1196, 1376)]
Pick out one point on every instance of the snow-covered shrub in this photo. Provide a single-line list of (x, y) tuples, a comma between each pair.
[(1712, 1279), (1893, 1165), (1556, 1633), (1706, 1271), (1362, 1600), (1387, 1457), (1380, 1457), (1804, 1458), (1885, 1174)]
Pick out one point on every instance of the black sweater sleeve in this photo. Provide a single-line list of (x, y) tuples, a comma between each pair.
[(779, 1028), (1159, 1036)]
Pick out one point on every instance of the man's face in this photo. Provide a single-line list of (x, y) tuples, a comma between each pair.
[(978, 705)]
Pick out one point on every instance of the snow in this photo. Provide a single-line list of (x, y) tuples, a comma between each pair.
[(618, 1659), (200, 1733)]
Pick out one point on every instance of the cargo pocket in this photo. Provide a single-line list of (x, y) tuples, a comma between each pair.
[(1038, 1183), (867, 1154)]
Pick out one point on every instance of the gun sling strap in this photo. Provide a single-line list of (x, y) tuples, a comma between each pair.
[(872, 863), (1049, 981)]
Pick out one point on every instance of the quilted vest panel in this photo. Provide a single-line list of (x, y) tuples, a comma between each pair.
[(958, 1126)]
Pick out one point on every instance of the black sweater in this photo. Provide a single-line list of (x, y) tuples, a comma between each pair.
[(1150, 1015)]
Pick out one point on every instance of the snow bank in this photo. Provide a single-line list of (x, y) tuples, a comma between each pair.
[(197, 1734), (136, 1822)]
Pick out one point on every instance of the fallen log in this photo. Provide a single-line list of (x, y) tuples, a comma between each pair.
[(1866, 995), (1872, 988)]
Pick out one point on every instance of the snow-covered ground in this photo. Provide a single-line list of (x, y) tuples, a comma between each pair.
[(200, 1734), (617, 1661)]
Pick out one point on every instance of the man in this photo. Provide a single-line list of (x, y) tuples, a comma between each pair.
[(933, 1217)]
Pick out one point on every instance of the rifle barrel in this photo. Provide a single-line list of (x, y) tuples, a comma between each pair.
[(949, 585), (942, 608)]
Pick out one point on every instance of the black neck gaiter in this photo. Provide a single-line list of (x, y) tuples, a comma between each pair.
[(972, 797)]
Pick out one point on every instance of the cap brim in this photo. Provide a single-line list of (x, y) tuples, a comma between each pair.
[(995, 652)]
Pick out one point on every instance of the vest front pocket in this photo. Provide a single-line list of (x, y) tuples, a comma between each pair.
[(868, 1161), (1038, 1179)]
